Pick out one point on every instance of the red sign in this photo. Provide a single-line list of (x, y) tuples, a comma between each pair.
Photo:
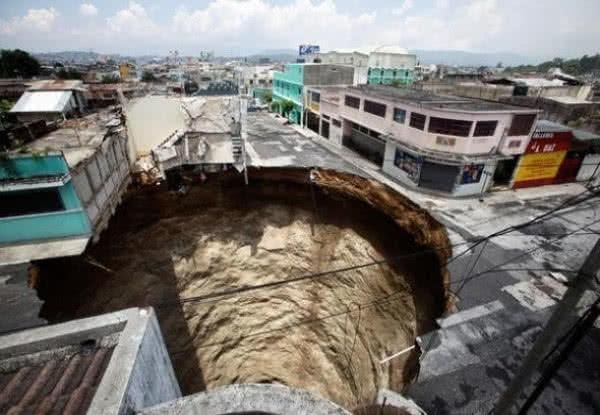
[(548, 142)]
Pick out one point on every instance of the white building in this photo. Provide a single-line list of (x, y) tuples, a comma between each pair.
[(453, 145), (379, 65)]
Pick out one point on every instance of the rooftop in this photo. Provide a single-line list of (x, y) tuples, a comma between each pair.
[(62, 381), (428, 100), (551, 127), (42, 101), (79, 138), (88, 365), (56, 85)]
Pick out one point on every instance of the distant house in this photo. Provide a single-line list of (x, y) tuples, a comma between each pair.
[(50, 100)]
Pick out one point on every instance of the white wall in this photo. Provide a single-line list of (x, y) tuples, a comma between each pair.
[(150, 120), (392, 60), (424, 139), (588, 167), (101, 181), (460, 190)]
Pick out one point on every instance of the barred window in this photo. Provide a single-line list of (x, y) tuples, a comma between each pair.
[(449, 126), (374, 108), (399, 115), (352, 102), (485, 128), (521, 124), (417, 120)]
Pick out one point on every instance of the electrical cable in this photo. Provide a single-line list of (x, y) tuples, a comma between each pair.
[(376, 302), (212, 297)]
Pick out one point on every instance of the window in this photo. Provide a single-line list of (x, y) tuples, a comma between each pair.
[(417, 120), (325, 117), (445, 141), (374, 134), (399, 115), (352, 102), (336, 123), (514, 143), (485, 128), (521, 124), (30, 202), (408, 163), (449, 126), (471, 173), (315, 97), (374, 108)]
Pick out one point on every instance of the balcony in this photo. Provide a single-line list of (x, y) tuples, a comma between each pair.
[(45, 226)]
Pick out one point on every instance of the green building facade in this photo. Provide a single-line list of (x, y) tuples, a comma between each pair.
[(289, 86), (382, 76)]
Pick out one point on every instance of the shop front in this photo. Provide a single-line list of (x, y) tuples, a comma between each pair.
[(541, 163), (456, 176)]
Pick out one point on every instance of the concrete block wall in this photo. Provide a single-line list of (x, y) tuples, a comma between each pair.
[(101, 181)]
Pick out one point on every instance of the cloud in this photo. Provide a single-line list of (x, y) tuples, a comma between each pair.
[(88, 9), (133, 21), (248, 26), (405, 7), (271, 26), (35, 20)]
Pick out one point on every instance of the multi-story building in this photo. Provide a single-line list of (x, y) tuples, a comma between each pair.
[(382, 65), (446, 144), (290, 85), (58, 192)]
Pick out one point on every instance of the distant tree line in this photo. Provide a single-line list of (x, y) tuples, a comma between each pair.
[(18, 64), (583, 65)]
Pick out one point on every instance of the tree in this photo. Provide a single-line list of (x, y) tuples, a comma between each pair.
[(18, 63), (5, 107), (268, 97), (111, 79), (148, 76), (286, 107), (69, 73)]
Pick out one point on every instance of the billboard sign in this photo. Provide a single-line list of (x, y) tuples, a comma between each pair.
[(308, 50), (539, 166)]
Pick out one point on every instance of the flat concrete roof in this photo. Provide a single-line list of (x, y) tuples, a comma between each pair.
[(551, 127), (79, 138), (428, 100)]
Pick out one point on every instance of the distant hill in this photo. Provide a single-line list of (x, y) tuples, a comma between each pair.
[(463, 58), (445, 57)]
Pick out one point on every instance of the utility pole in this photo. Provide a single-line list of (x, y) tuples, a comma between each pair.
[(555, 328), (581, 329)]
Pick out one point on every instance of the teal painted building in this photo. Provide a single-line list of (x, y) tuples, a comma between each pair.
[(382, 76), (38, 200), (58, 192), (290, 85)]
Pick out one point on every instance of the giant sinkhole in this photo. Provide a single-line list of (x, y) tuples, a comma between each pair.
[(326, 332)]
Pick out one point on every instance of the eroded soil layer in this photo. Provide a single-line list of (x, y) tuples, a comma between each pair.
[(326, 334)]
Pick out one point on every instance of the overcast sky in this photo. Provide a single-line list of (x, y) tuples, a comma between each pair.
[(536, 28)]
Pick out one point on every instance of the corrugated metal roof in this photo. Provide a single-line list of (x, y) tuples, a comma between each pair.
[(42, 101)]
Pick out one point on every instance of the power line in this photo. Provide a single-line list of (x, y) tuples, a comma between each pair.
[(495, 267), (378, 301), (218, 296)]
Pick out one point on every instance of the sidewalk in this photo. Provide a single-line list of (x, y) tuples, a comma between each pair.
[(467, 215)]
